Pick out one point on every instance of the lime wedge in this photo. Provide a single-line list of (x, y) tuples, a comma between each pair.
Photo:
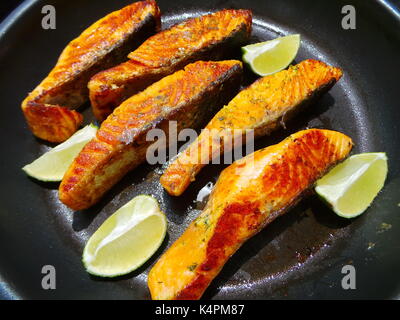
[(127, 239), (268, 57), (351, 186), (52, 165)]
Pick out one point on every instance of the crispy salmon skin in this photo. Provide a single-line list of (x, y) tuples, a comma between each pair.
[(248, 195), (261, 107), (189, 97), (101, 46), (209, 37)]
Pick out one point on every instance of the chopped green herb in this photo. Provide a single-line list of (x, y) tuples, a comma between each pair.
[(192, 266)]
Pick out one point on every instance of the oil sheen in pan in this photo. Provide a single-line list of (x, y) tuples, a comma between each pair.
[(303, 242)]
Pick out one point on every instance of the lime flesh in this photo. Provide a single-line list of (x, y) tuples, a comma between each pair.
[(127, 239), (271, 56), (52, 165), (351, 186)]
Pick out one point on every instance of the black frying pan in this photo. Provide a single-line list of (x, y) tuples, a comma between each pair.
[(301, 254)]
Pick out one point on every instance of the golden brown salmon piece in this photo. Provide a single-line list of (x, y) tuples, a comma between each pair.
[(261, 107), (102, 45), (209, 37), (189, 97), (248, 195)]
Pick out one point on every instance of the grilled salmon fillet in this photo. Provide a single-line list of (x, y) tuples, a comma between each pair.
[(209, 37), (188, 97), (261, 107), (248, 195), (104, 44)]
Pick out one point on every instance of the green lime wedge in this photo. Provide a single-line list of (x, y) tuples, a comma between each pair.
[(351, 186), (52, 165), (127, 239), (271, 56)]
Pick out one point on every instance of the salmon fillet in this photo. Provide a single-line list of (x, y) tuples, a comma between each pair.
[(209, 37), (261, 107), (189, 96), (104, 44), (248, 195)]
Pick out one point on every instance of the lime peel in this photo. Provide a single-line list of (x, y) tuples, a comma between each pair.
[(52, 165), (272, 56), (127, 239), (350, 187)]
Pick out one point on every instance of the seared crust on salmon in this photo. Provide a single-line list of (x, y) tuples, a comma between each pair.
[(261, 107), (248, 195), (209, 37), (189, 96), (102, 45)]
